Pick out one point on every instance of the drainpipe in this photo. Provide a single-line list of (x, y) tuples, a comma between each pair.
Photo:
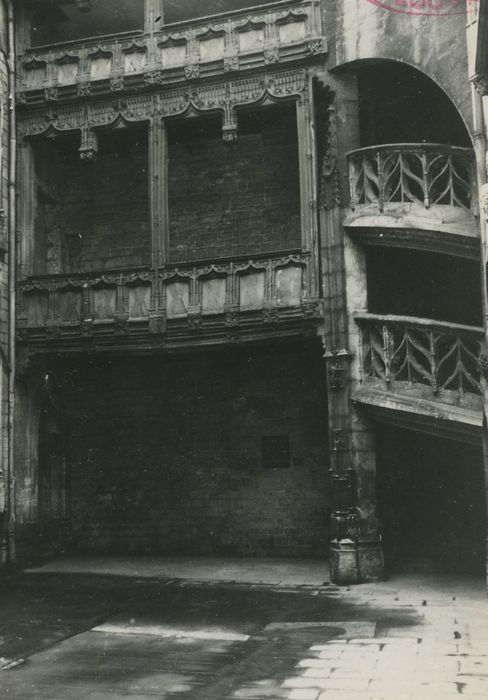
[(12, 260)]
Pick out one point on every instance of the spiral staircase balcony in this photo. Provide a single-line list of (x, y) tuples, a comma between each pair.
[(415, 195), (421, 372)]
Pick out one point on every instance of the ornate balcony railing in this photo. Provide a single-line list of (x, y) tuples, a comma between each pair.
[(444, 356), (281, 32), (423, 174), (192, 294)]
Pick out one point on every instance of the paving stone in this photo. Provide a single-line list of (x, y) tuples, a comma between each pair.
[(342, 695), (314, 663), (301, 682), (331, 654), (303, 694), (349, 684), (317, 673), (389, 688)]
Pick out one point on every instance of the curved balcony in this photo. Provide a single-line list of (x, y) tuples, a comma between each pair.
[(421, 366), (421, 196)]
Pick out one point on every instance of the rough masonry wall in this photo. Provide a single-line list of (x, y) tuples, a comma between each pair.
[(166, 454), (96, 214), (235, 199)]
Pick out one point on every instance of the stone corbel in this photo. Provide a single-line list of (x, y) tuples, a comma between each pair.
[(229, 125), (89, 144), (121, 324), (157, 323), (337, 369), (194, 320)]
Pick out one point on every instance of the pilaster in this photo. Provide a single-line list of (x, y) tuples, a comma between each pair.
[(355, 551), (153, 15), (158, 189), (26, 209), (308, 182)]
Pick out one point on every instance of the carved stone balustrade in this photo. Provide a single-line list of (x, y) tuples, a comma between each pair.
[(422, 367), (283, 32), (425, 195), (215, 302), (444, 356)]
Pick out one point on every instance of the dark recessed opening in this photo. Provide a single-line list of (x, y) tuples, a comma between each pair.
[(183, 10), (414, 283), (53, 24), (398, 104), (275, 451)]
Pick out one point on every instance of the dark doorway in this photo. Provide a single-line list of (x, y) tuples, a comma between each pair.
[(431, 502), (399, 104)]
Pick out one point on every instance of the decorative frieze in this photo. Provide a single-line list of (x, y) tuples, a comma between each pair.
[(225, 97), (267, 286)]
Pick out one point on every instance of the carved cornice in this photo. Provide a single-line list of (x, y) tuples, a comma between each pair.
[(225, 97)]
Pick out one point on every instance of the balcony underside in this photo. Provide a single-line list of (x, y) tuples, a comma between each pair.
[(157, 334), (442, 228), (449, 414)]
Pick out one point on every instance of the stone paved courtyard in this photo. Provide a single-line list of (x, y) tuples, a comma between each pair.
[(105, 637)]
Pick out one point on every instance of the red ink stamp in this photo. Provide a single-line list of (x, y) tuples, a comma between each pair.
[(428, 8)]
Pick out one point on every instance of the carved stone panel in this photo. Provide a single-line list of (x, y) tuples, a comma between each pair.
[(213, 295), (34, 76), (251, 40), (139, 300), (104, 302), (292, 32), (288, 288), (36, 308), (70, 305), (100, 67), (67, 72), (178, 299), (251, 290), (211, 49), (173, 55), (134, 61)]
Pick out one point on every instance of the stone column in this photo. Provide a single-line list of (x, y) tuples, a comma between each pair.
[(355, 551), (27, 209), (158, 188), (308, 183)]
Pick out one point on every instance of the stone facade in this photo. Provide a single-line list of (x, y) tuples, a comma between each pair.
[(202, 277), (181, 447)]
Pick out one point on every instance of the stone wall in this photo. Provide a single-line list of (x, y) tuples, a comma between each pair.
[(165, 455), (234, 199), (93, 215)]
